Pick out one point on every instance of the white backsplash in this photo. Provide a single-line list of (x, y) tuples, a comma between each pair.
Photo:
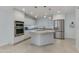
[(44, 22)]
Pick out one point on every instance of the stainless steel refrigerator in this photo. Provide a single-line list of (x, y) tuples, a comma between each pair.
[(59, 29)]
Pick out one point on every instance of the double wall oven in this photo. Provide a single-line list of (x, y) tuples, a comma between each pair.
[(19, 28)]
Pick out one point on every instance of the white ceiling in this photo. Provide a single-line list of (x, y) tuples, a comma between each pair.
[(40, 11)]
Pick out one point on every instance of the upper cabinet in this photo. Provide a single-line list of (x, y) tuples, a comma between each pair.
[(58, 16), (19, 15), (29, 21)]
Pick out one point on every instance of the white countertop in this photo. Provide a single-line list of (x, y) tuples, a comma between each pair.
[(40, 31)]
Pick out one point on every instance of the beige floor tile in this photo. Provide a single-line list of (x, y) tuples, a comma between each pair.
[(61, 46)]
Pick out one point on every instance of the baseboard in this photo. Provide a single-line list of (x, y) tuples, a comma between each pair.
[(3, 44)]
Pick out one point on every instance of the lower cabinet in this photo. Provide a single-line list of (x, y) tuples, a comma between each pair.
[(22, 37), (18, 39)]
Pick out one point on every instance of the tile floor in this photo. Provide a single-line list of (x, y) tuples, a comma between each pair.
[(61, 46)]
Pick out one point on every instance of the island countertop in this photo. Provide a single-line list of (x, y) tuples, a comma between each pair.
[(40, 31)]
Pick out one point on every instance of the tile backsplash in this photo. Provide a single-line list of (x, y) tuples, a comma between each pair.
[(44, 22)]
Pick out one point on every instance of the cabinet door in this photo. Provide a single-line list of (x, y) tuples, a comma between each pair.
[(26, 35)]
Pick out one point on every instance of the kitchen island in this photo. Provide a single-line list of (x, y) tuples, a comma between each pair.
[(42, 37)]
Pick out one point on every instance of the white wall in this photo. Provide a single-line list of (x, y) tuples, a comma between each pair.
[(69, 31), (77, 28), (6, 25)]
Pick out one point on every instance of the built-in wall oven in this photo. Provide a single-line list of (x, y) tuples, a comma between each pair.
[(19, 28)]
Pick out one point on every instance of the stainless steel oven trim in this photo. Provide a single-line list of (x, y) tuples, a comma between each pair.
[(15, 35)]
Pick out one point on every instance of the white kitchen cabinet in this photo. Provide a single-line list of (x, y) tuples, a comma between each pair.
[(18, 16), (40, 38), (26, 35), (19, 38)]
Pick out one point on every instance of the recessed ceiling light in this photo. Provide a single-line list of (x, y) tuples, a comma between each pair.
[(23, 9), (36, 16), (44, 16)]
